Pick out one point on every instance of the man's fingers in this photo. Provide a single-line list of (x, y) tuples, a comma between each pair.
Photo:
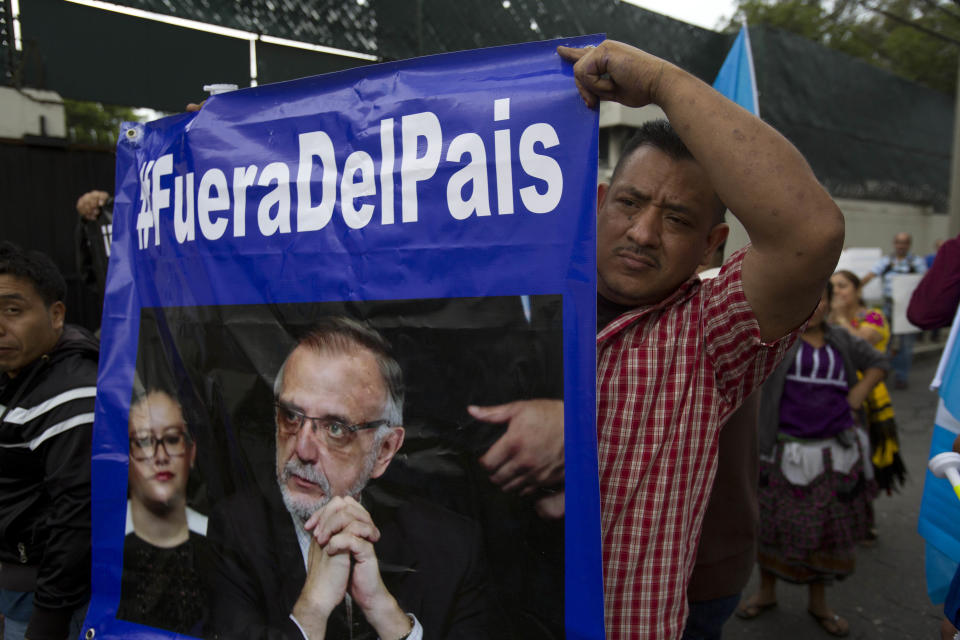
[(507, 474), (345, 542), (335, 516), (551, 507), (603, 87), (496, 413), (339, 521), (588, 98), (572, 54), (584, 72), (519, 482), (498, 454), (549, 477), (363, 530), (193, 106)]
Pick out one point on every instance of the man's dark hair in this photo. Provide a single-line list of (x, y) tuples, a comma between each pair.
[(660, 135), (36, 267)]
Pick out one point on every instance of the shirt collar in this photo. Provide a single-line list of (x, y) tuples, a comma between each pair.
[(680, 294)]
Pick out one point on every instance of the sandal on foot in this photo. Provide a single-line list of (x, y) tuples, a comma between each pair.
[(750, 611), (834, 625)]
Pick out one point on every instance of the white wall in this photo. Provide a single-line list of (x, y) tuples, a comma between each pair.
[(21, 111), (873, 224)]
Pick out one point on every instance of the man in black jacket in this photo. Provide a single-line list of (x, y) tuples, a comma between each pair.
[(48, 375)]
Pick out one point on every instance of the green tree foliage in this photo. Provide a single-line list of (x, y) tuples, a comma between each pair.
[(95, 123), (917, 39)]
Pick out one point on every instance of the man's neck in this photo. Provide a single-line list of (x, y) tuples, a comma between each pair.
[(608, 311)]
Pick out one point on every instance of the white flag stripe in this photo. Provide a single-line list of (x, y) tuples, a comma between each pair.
[(947, 350), (945, 419), (55, 430), (22, 416)]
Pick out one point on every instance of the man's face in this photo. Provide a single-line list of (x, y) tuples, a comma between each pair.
[(656, 223), (901, 244), (348, 388), (28, 327)]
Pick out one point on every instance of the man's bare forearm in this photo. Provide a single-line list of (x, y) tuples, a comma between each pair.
[(795, 228)]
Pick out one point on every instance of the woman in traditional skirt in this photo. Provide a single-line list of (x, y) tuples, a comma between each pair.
[(815, 487), (848, 311)]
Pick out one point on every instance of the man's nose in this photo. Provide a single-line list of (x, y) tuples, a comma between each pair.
[(308, 449), (645, 228)]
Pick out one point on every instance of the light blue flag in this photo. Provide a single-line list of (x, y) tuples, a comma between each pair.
[(939, 521), (950, 387), (736, 78)]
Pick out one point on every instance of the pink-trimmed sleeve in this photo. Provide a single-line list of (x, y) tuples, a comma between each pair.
[(875, 318)]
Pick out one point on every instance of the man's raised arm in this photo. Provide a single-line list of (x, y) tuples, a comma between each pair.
[(795, 228)]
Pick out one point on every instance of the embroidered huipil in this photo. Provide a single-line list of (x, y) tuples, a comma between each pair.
[(667, 376)]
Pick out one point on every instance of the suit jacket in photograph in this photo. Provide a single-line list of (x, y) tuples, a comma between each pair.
[(430, 560)]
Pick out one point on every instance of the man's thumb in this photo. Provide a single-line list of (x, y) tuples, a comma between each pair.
[(497, 413)]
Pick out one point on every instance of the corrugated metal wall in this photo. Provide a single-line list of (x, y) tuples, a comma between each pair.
[(40, 186)]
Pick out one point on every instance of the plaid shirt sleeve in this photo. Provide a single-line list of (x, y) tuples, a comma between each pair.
[(740, 360)]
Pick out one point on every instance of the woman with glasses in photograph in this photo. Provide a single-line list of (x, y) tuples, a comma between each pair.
[(160, 584)]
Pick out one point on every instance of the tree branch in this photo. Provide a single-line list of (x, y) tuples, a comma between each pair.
[(913, 25), (942, 9)]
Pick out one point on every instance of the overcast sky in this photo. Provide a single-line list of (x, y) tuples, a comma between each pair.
[(703, 13)]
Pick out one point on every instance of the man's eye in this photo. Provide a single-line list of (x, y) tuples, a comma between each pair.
[(337, 430), (289, 416), (11, 311)]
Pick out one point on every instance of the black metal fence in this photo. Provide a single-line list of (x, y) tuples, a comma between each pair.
[(39, 187)]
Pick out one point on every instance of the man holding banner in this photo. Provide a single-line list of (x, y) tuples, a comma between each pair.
[(680, 355)]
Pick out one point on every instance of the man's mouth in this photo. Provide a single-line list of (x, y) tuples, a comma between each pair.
[(637, 260), (303, 481)]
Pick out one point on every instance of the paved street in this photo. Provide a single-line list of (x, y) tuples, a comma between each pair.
[(886, 597)]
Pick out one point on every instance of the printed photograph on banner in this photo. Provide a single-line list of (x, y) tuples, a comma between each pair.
[(292, 460)]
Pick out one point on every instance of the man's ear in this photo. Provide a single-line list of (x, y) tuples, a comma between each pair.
[(389, 446), (57, 312), (602, 190), (715, 238)]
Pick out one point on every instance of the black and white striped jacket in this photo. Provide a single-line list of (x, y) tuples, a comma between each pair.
[(45, 436)]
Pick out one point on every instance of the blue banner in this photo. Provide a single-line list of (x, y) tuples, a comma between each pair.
[(436, 215)]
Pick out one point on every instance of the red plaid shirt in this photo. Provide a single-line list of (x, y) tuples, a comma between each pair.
[(668, 375)]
